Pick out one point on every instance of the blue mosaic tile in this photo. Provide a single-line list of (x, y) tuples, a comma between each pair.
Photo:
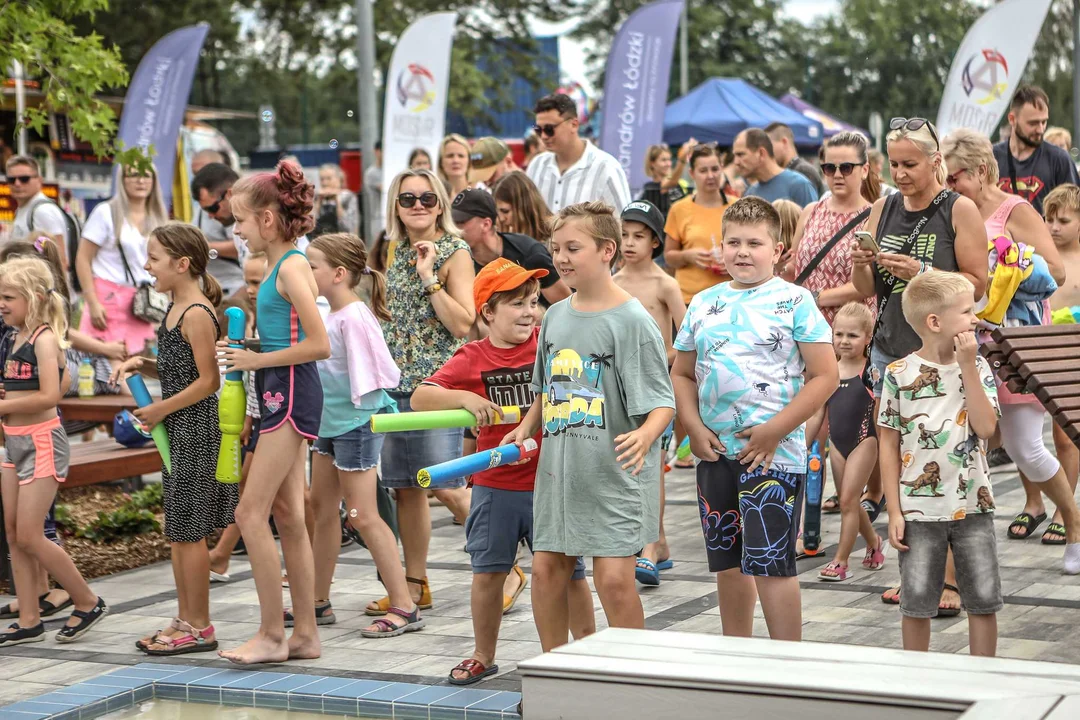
[(140, 671), (437, 713), (305, 703), (393, 691), (252, 680), (72, 714), (499, 702), (475, 715), (339, 706), (322, 686), (143, 693), (119, 702), (117, 681), (273, 700), (374, 709), (192, 674), (411, 712), (220, 679), (464, 698), (356, 689), (428, 696), (243, 698), (170, 692), (90, 690), (93, 710), (33, 706), (64, 699), (200, 694), (160, 667), (288, 683)]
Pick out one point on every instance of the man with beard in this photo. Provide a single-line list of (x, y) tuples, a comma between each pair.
[(1028, 165)]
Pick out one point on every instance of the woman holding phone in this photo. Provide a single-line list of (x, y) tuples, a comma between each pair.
[(824, 264)]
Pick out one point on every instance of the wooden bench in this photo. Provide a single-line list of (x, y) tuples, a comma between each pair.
[(99, 409), (107, 460), (1043, 360)]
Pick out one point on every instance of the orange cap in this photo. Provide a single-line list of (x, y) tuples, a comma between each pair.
[(500, 275)]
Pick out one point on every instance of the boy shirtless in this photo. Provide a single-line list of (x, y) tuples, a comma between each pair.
[(640, 276)]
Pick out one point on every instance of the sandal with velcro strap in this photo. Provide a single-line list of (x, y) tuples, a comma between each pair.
[(87, 620), (387, 628)]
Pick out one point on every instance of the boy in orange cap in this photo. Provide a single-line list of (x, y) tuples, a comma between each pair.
[(482, 377)]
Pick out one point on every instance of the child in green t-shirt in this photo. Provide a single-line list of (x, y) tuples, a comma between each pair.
[(601, 368)]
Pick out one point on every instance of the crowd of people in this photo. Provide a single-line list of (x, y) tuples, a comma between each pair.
[(759, 306)]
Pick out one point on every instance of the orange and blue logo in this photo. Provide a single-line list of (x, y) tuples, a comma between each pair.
[(416, 88)]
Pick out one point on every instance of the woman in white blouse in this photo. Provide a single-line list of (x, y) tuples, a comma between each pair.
[(108, 283)]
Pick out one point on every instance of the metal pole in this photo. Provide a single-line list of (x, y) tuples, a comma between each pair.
[(1076, 67), (684, 49), (20, 108), (365, 52)]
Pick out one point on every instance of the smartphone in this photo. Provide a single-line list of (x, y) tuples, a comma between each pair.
[(867, 241)]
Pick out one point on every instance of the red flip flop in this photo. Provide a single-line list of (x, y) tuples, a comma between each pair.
[(477, 671)]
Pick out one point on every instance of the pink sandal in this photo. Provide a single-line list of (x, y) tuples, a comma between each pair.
[(835, 572), (875, 557), (192, 641)]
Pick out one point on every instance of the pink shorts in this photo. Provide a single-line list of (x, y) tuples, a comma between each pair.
[(121, 325)]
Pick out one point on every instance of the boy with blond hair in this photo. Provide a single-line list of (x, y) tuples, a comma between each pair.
[(743, 352), (938, 408), (601, 367)]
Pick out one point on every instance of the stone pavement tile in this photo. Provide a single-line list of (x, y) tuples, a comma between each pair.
[(12, 692), (1024, 649), (1052, 591), (66, 673), (1024, 629), (832, 632), (367, 659), (849, 616), (13, 667)]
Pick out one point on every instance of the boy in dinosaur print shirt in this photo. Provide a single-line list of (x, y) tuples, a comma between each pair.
[(938, 407)]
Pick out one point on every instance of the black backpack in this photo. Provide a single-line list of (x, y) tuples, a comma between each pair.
[(73, 233)]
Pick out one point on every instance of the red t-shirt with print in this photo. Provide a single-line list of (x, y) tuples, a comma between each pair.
[(503, 376)]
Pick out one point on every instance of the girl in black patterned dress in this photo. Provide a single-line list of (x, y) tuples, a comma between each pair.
[(196, 504)]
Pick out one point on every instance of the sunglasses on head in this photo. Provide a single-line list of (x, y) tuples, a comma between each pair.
[(428, 199), (212, 209), (913, 124), (21, 179), (845, 168), (549, 129)]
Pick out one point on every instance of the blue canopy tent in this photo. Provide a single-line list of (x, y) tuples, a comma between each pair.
[(721, 108), (830, 123)]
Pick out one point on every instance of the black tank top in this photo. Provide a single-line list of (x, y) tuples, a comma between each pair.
[(934, 245), (21, 365)]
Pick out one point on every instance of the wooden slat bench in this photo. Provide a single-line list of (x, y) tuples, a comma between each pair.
[(106, 460), (1044, 360), (100, 408)]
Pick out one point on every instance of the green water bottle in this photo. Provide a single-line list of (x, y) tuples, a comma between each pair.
[(86, 379)]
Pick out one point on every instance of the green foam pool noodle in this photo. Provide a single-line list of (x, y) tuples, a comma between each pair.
[(142, 398), (684, 449), (437, 419)]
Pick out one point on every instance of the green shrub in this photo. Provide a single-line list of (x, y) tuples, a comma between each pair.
[(63, 518), (149, 498), (126, 521)]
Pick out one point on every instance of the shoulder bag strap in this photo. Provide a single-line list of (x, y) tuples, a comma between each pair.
[(1012, 169), (816, 260), (889, 279), (123, 258)]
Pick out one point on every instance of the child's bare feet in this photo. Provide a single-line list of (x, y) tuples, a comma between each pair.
[(259, 649)]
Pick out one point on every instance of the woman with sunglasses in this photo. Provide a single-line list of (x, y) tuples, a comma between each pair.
[(454, 164), (429, 295), (852, 189), (952, 238), (974, 174), (111, 256)]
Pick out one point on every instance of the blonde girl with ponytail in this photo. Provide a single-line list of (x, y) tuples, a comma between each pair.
[(38, 455), (196, 504)]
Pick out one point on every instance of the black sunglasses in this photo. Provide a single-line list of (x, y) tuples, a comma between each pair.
[(549, 129), (212, 209), (428, 199), (845, 168), (21, 179), (914, 124)]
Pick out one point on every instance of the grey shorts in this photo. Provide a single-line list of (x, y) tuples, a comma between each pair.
[(404, 454), (498, 521), (37, 451), (922, 567), (355, 451)]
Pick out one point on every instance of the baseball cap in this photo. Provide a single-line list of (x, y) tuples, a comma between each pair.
[(471, 203), (649, 215), (486, 154), (500, 275)]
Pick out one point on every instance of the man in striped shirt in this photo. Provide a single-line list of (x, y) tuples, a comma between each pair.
[(573, 170)]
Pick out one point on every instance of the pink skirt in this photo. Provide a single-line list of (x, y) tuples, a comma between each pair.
[(120, 324)]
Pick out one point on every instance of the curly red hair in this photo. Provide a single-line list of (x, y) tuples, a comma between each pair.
[(286, 192)]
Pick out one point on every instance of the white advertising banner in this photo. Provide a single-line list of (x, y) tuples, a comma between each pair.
[(988, 66), (416, 87)]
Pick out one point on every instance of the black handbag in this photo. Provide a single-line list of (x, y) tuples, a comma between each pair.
[(148, 304)]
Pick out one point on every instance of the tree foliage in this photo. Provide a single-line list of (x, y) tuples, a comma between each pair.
[(72, 67)]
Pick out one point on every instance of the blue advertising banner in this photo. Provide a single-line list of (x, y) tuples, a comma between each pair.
[(157, 97), (636, 86)]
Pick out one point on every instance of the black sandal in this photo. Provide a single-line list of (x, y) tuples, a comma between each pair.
[(873, 509), (1029, 522), (87, 620), (18, 635), (1054, 529), (47, 609), (944, 612)]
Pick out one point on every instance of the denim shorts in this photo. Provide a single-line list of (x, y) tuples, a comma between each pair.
[(922, 567), (750, 520), (404, 454), (878, 362), (355, 451), (498, 521), (669, 433)]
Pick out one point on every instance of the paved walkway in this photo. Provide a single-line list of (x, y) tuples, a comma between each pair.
[(1041, 619)]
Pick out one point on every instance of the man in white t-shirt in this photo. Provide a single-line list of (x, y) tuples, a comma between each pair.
[(573, 170), (35, 210)]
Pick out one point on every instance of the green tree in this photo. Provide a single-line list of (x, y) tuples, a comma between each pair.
[(1051, 65), (889, 56), (73, 68), (727, 38)]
